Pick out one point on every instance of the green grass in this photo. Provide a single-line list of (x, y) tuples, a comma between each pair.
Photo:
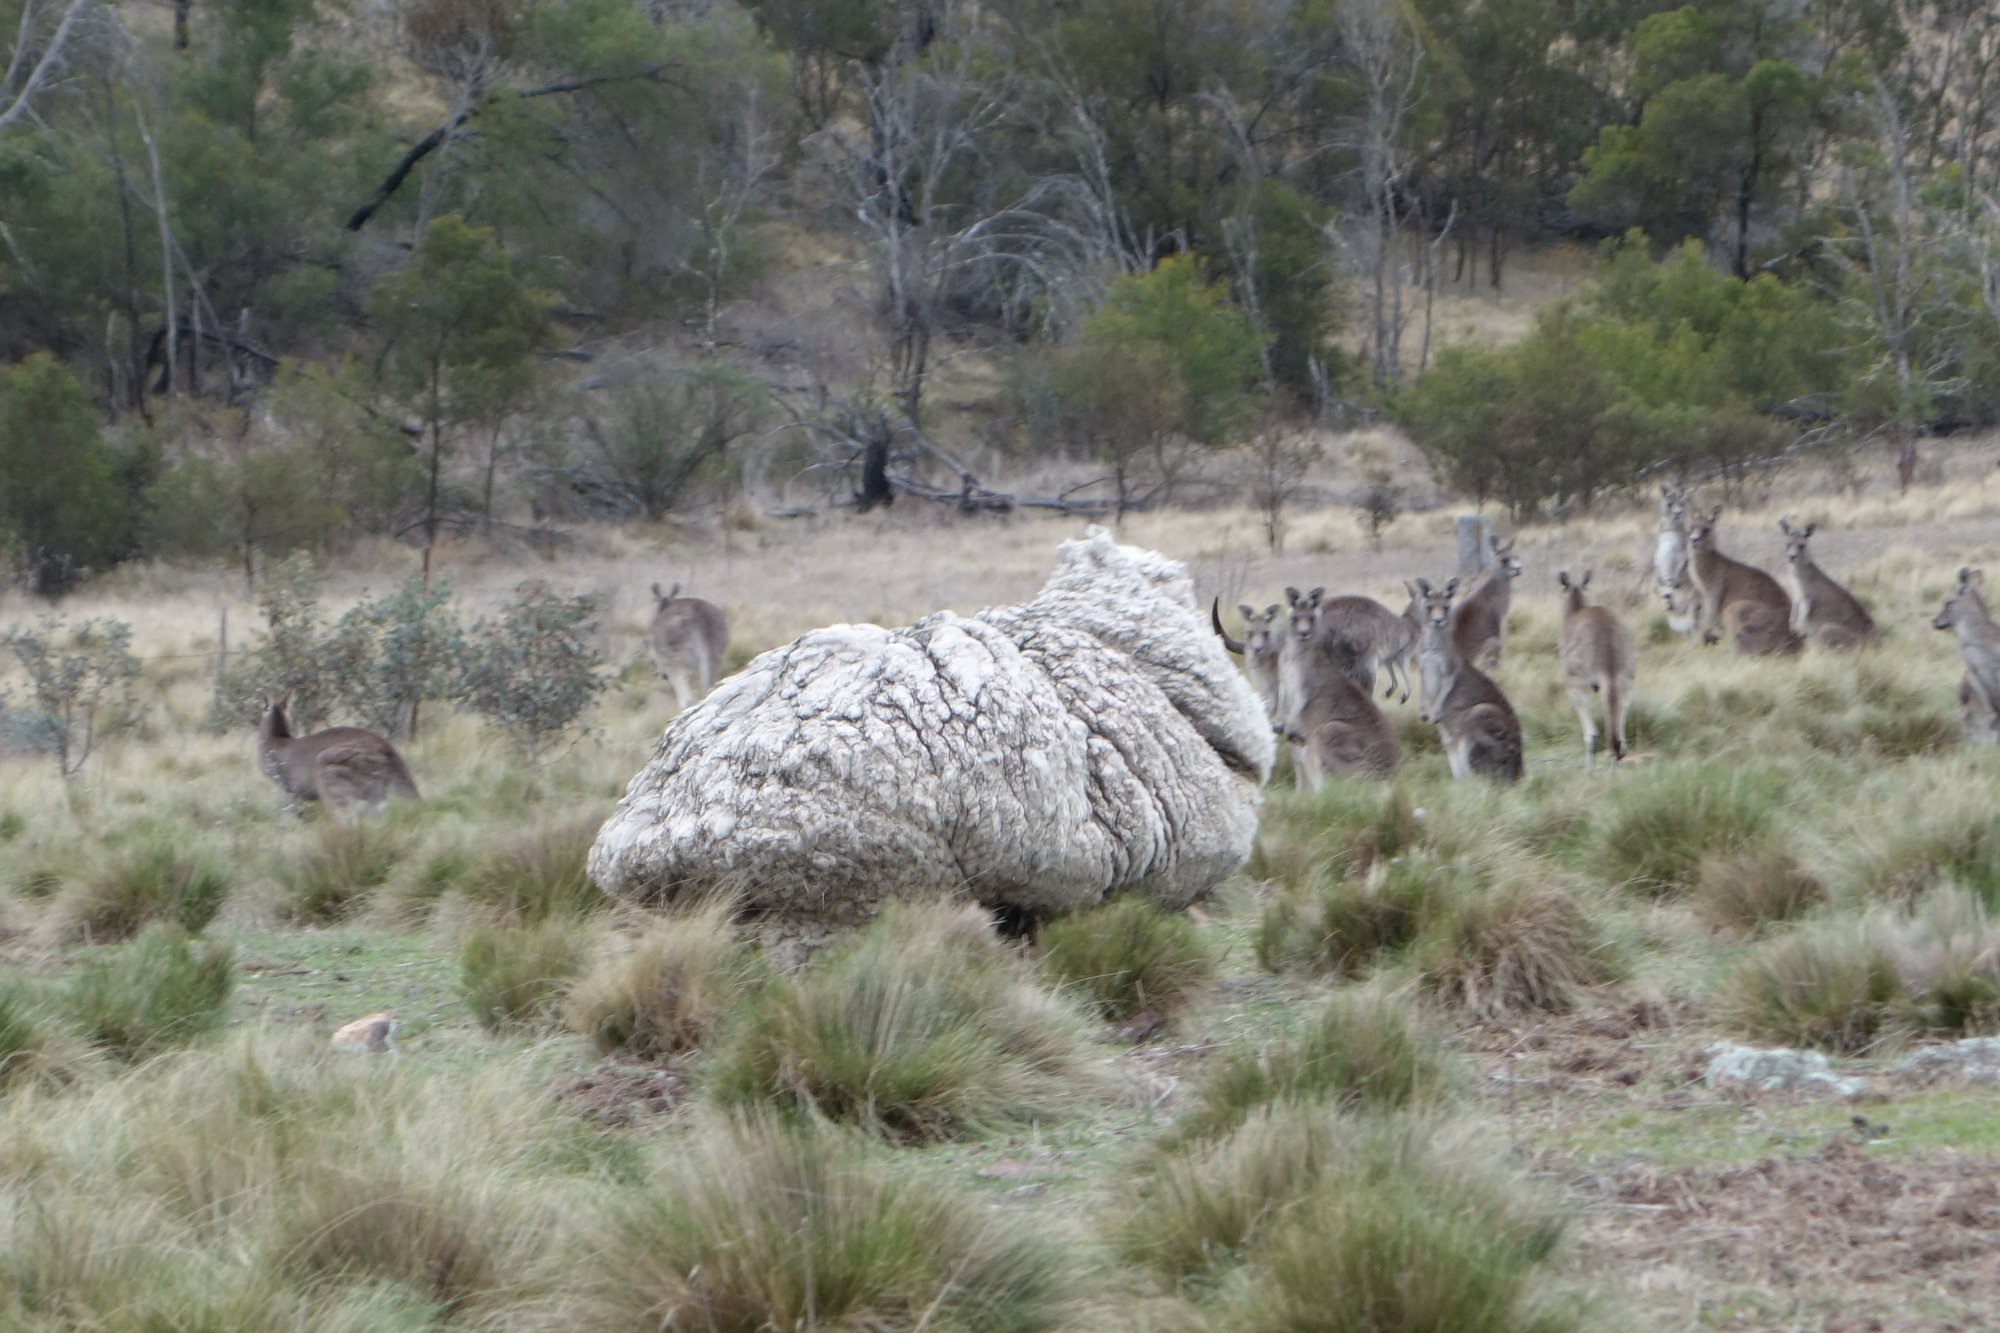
[(1654, 831), (670, 991), (1128, 957), (153, 877), (328, 874), (760, 1223), (539, 874), (926, 1027), (516, 976), (159, 991)]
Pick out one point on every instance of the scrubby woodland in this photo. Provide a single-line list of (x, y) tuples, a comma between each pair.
[(464, 263)]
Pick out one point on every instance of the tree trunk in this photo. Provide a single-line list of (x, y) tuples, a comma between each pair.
[(875, 489)]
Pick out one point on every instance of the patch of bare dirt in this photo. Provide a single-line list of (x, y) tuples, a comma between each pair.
[(1845, 1238), (1620, 1043), (621, 1096)]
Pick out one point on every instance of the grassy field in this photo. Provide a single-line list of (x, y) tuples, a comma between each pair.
[(1432, 1062)]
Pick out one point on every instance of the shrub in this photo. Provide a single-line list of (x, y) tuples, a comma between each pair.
[(534, 671), (1344, 1221), (384, 659), (158, 991), (515, 976), (79, 686), (757, 1223), (342, 864), (1127, 957), (1825, 984), (1753, 886), (1363, 1051), (541, 873), (1653, 833), (925, 1027), (671, 992), (152, 882), (1510, 944)]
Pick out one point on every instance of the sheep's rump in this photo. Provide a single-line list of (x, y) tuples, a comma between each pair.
[(1040, 756)]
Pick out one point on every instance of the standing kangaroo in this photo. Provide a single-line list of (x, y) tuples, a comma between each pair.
[(1822, 610), (349, 768), (1965, 614), (1259, 648), (1597, 658), (1480, 731), (1670, 562), (1744, 600), (1482, 619), (687, 640)]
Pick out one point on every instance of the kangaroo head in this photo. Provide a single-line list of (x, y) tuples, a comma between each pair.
[(1673, 507), (1795, 540), (1503, 553), (662, 598), (1965, 600), (1260, 630), (1702, 535), (1574, 587), (1305, 613)]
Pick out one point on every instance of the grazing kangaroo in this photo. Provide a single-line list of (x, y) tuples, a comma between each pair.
[(1480, 731), (687, 640), (1597, 658), (1822, 610), (1336, 728), (1482, 619), (1670, 562), (1743, 599), (348, 768), (1259, 649), (1965, 614)]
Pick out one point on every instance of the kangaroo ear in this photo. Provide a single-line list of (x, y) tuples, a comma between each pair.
[(1584, 582), (1450, 586), (1562, 579), (1785, 525), (1271, 610), (1666, 492), (1420, 588), (1291, 596), (1245, 611), (1811, 528), (657, 593), (1312, 598), (1715, 514)]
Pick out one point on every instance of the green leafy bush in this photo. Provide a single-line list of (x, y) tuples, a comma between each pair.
[(534, 670)]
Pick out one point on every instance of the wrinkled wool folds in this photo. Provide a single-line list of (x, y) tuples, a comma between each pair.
[(1040, 756)]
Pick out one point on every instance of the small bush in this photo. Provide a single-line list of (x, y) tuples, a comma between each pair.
[(670, 993), (760, 1224), (344, 863), (540, 874), (1828, 984), (160, 990), (153, 882), (1364, 1051), (1344, 1221), (534, 671), (1652, 834), (515, 976), (79, 685), (1753, 886), (1128, 957), (925, 1027), (1509, 945)]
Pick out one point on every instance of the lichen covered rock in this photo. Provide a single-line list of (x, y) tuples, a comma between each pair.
[(1041, 756)]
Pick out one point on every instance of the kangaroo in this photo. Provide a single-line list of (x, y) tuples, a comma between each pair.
[(1480, 731), (1482, 618), (1597, 658), (687, 640), (1822, 610), (1743, 599), (347, 767), (1336, 728), (1259, 649), (1365, 634), (1979, 644), (1670, 562)]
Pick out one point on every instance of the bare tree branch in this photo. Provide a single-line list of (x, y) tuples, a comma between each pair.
[(46, 62)]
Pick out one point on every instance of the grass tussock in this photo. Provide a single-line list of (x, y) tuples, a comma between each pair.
[(1128, 957), (336, 869), (1746, 888), (925, 1027), (36, 1045), (515, 976), (1308, 1217), (1938, 829), (539, 874), (154, 880), (158, 991), (1365, 1050), (1653, 832), (1343, 924), (1515, 943), (1339, 831), (670, 992), (759, 1223)]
